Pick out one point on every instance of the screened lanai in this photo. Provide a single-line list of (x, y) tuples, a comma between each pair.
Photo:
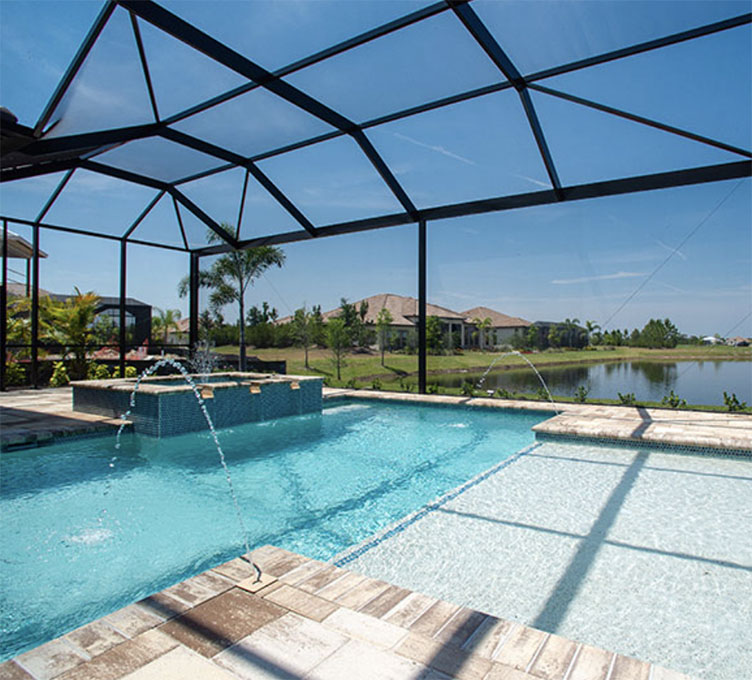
[(265, 115)]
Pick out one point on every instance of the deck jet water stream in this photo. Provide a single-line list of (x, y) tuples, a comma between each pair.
[(530, 363), (177, 365)]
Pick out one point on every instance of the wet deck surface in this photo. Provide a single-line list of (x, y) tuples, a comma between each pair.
[(309, 619)]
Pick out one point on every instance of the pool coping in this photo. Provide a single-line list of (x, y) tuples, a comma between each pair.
[(311, 618)]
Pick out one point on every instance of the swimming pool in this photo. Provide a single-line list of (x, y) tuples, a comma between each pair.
[(80, 538)]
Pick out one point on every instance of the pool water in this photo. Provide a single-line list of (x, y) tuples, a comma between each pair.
[(87, 529), (637, 550)]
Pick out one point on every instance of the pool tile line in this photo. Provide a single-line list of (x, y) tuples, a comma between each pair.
[(600, 441), (355, 552)]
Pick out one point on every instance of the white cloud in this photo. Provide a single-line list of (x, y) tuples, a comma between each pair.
[(601, 277), (436, 148), (673, 251)]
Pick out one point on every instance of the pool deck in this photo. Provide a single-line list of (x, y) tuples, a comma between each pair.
[(309, 619), (32, 417)]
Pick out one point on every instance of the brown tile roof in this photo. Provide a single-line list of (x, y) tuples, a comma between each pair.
[(498, 320), (404, 310)]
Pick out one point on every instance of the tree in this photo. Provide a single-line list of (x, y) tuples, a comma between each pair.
[(72, 327), (570, 329), (554, 335), (482, 325), (164, 322), (338, 340), (230, 275), (303, 327), (257, 316), (591, 326), (383, 330), (433, 335)]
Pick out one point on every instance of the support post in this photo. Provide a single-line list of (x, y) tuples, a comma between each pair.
[(4, 308), (193, 303), (35, 308), (28, 277), (122, 336), (422, 307)]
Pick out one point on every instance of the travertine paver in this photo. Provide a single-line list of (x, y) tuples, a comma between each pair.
[(488, 637), (372, 664), (591, 663), (364, 627), (520, 648), (443, 657), (303, 603), (51, 659), (180, 664), (222, 621), (292, 644), (554, 658), (238, 635), (124, 658), (95, 638)]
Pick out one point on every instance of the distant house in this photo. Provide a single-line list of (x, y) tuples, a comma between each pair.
[(404, 312), (503, 327), (711, 340), (738, 342)]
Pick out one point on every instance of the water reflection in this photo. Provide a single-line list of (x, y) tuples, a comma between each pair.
[(699, 382)]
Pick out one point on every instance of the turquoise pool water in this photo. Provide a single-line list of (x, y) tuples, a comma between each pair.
[(83, 535)]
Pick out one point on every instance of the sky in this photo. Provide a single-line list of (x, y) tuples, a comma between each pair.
[(682, 253)]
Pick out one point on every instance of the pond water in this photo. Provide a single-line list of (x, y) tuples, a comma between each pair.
[(699, 382)]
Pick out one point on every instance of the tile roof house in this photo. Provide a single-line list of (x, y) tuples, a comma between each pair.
[(404, 311)]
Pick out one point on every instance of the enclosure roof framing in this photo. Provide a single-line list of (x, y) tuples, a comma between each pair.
[(177, 145)]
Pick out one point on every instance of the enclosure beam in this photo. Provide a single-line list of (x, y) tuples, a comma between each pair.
[(616, 187), (422, 307), (123, 274), (35, 308), (4, 307), (193, 302)]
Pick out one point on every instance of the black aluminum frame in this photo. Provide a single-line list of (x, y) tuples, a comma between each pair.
[(70, 152)]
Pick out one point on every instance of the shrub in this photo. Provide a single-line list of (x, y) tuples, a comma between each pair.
[(542, 394), (732, 403), (59, 375), (15, 373), (131, 372), (627, 399), (406, 386), (673, 400), (351, 384), (468, 389), (580, 394), (101, 372), (433, 388), (375, 384), (504, 394)]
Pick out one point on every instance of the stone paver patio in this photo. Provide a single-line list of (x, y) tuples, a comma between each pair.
[(309, 619)]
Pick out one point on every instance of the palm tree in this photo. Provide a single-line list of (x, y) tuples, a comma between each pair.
[(591, 326), (72, 328), (165, 322), (482, 325), (230, 275)]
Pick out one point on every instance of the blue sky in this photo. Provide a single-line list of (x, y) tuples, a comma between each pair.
[(572, 260)]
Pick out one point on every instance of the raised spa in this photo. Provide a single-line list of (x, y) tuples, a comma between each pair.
[(166, 405)]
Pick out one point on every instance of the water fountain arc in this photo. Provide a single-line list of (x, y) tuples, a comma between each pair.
[(513, 352)]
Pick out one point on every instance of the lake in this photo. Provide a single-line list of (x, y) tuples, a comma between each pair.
[(699, 382)]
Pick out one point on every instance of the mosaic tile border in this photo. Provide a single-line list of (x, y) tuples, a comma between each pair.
[(647, 444), (353, 553)]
